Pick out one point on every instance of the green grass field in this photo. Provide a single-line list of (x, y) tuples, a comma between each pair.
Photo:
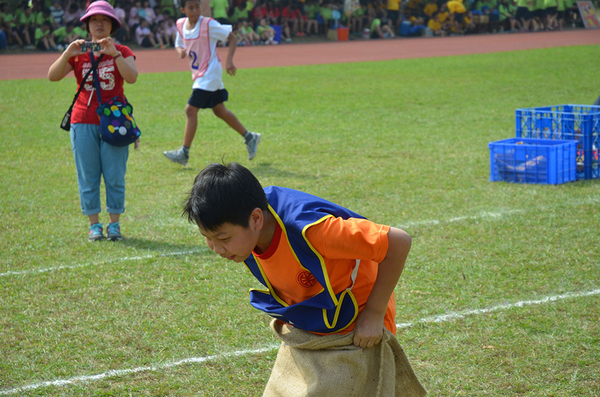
[(500, 296)]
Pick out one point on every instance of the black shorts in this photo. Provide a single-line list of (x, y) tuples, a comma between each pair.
[(393, 15), (459, 17), (551, 11), (523, 13), (207, 99)]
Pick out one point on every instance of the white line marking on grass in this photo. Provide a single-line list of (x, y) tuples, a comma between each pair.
[(127, 258), (458, 315), (122, 372), (496, 215), (435, 319), (481, 215)]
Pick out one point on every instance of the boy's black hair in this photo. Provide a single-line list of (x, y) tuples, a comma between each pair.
[(224, 194), (182, 2)]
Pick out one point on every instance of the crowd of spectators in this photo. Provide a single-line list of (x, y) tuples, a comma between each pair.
[(50, 25)]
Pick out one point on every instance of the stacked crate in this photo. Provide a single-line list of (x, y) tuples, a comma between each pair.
[(554, 144)]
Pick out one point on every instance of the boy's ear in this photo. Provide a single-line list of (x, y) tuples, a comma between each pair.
[(256, 219)]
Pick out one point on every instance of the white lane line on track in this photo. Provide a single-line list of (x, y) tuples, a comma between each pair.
[(452, 316)]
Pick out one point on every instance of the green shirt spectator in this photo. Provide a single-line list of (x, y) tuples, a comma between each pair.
[(219, 8), (239, 13)]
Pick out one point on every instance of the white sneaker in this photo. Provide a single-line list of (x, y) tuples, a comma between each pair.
[(252, 144), (177, 156)]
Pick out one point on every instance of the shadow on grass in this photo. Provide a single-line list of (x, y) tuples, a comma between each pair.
[(163, 247), (262, 170)]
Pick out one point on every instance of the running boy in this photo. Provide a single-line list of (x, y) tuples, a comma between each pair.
[(329, 275), (197, 38)]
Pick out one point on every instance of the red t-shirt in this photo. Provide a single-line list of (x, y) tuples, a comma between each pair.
[(111, 84), (288, 14), (260, 13), (273, 12)]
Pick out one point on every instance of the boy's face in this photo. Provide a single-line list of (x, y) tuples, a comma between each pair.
[(191, 9), (232, 242)]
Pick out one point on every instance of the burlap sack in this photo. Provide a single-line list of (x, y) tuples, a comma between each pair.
[(330, 366)]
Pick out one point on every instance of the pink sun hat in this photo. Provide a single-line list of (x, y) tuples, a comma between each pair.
[(101, 7)]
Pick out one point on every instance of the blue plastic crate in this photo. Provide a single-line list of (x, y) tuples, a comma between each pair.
[(524, 160), (570, 122)]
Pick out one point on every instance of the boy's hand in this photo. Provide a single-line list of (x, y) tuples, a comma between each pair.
[(369, 329), (231, 69), (180, 51)]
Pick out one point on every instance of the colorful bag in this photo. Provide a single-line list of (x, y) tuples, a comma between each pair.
[(117, 125)]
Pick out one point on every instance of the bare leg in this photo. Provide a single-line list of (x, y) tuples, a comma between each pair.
[(191, 124), (227, 116)]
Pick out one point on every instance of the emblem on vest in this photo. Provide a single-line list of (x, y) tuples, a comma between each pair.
[(306, 279)]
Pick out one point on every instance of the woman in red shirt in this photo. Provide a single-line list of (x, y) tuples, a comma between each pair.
[(95, 158)]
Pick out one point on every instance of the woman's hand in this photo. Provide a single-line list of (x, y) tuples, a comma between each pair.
[(74, 48), (136, 144), (108, 46)]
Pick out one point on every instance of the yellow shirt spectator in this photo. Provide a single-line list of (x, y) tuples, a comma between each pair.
[(393, 5), (430, 8), (434, 25), (414, 4), (456, 6), (443, 16)]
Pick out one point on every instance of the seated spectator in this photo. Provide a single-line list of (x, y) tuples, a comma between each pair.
[(435, 25), (292, 17), (430, 8), (134, 15), (380, 27), (145, 37), (266, 32), (73, 13), (124, 32), (149, 14), (273, 16), (393, 13), (45, 16), (414, 6), (417, 25), (312, 8), (444, 16), (44, 39), (246, 34), (260, 12), (170, 30), (7, 24), (359, 19), (65, 35), (551, 13), (240, 12), (507, 12), (468, 26), (523, 15), (220, 10), (81, 31), (457, 14), (58, 13), (27, 20), (327, 15)]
